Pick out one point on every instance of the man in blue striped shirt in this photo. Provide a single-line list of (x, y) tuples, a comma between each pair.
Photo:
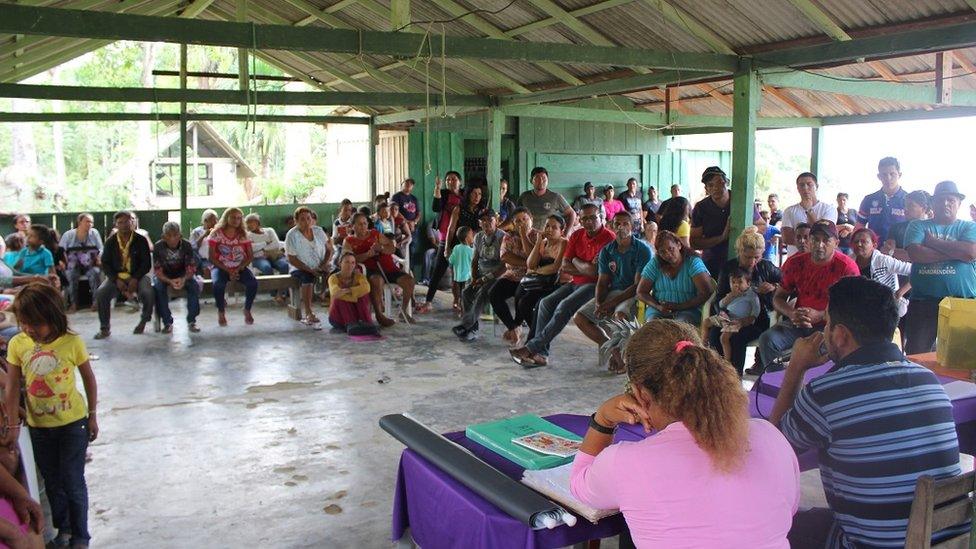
[(877, 420)]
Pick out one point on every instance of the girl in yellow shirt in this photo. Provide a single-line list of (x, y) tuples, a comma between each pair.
[(44, 357), (349, 289)]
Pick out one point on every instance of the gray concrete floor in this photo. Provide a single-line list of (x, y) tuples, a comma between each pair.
[(267, 435)]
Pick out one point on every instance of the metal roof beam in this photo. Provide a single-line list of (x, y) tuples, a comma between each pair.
[(897, 116), (577, 13), (821, 19), (620, 85), (620, 116), (483, 25), (85, 24), (231, 97), (174, 117), (417, 115), (911, 42), (890, 91), (686, 22)]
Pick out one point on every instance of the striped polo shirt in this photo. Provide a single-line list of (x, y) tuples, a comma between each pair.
[(879, 422)]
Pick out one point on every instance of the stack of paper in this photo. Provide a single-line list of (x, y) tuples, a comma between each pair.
[(554, 484)]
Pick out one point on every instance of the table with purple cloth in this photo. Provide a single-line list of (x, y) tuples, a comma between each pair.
[(963, 409), (760, 406), (442, 512)]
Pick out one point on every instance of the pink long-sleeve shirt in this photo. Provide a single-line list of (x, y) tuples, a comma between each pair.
[(671, 496)]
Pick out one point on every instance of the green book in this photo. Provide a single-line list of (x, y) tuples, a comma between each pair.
[(497, 436)]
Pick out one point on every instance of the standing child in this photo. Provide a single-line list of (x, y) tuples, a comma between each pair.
[(739, 308), (44, 358), (460, 261)]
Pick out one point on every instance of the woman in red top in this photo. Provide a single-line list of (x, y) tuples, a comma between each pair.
[(375, 252), (230, 253)]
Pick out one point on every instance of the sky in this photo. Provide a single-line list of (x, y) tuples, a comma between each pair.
[(929, 151)]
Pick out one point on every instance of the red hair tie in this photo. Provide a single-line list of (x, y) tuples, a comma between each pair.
[(681, 345)]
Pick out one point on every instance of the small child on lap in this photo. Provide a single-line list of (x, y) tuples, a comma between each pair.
[(737, 309)]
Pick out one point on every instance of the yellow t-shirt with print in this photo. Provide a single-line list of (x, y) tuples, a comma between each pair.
[(53, 399)]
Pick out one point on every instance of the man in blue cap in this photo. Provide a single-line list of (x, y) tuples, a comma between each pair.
[(943, 255)]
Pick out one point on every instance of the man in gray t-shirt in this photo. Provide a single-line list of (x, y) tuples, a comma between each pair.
[(541, 202), (488, 266)]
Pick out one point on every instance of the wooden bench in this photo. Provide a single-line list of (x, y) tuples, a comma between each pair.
[(266, 283)]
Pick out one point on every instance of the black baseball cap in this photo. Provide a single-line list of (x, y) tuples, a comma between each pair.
[(712, 171), (588, 185)]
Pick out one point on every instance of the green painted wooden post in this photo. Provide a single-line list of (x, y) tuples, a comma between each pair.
[(493, 165), (374, 139), (183, 129), (816, 150), (745, 108)]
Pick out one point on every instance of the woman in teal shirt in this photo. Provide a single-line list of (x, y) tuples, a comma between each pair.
[(675, 283)]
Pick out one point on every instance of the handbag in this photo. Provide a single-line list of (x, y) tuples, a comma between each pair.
[(535, 282)]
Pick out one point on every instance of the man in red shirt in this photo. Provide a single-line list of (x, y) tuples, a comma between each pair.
[(558, 308), (808, 276)]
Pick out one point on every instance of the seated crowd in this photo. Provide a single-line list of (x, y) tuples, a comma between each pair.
[(540, 263)]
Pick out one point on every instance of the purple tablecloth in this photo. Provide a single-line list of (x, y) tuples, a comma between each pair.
[(963, 409), (442, 512), (760, 406)]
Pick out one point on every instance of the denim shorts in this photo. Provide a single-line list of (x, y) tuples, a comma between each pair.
[(303, 277)]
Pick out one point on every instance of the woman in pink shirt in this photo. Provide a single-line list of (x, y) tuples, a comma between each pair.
[(610, 204), (230, 253), (710, 476)]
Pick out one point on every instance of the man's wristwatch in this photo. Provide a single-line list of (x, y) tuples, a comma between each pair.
[(600, 428)]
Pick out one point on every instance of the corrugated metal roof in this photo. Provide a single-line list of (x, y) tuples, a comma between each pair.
[(745, 25)]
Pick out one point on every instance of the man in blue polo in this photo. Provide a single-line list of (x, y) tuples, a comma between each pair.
[(880, 210), (877, 420), (943, 255), (618, 266)]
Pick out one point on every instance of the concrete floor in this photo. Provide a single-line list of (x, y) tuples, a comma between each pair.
[(267, 435)]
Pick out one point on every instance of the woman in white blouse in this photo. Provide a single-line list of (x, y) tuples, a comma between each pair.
[(880, 267), (268, 253), (309, 253)]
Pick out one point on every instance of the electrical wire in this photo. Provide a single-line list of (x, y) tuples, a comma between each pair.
[(461, 16)]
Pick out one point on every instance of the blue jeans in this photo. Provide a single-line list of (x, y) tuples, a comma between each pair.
[(691, 316), (554, 313), (779, 339), (267, 267), (162, 300), (246, 277), (60, 456)]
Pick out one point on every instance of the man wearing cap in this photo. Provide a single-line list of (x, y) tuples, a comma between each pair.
[(556, 309), (809, 210), (943, 255), (541, 202), (619, 264), (710, 220), (809, 276), (880, 210), (588, 197), (486, 267), (631, 199)]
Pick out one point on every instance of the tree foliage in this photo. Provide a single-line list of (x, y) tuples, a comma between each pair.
[(95, 152)]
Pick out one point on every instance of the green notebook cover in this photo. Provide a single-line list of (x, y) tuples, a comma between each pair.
[(497, 436)]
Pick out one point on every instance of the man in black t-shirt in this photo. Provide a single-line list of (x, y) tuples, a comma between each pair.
[(710, 220)]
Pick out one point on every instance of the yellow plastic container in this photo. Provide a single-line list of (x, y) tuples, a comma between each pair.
[(957, 334)]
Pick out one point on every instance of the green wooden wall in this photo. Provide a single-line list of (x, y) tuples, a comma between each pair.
[(152, 220), (575, 152), (685, 167)]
